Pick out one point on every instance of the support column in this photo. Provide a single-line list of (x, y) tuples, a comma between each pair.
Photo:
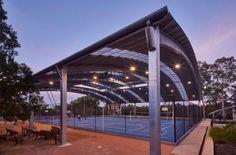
[(153, 41), (63, 98)]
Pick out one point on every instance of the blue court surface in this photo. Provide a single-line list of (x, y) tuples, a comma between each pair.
[(137, 127)]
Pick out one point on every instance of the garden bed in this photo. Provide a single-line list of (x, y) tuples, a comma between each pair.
[(225, 149), (224, 139)]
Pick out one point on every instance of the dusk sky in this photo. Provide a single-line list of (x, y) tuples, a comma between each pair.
[(50, 30)]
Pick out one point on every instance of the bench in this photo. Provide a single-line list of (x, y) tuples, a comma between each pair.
[(3, 137), (18, 138), (56, 132), (14, 135)]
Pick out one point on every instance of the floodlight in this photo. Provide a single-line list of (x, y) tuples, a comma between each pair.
[(132, 68), (95, 77), (51, 82), (177, 66)]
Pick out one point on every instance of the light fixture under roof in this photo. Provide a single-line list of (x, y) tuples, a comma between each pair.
[(189, 82), (95, 77), (140, 88), (177, 66), (126, 77), (146, 72), (193, 96), (132, 68), (51, 82), (146, 92), (111, 79), (172, 90), (167, 85)]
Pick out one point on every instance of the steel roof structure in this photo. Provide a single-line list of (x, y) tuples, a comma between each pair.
[(117, 66)]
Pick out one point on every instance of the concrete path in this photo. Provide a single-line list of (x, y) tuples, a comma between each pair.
[(208, 147), (192, 144)]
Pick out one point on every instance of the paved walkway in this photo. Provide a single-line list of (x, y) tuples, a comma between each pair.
[(192, 144), (208, 147), (83, 143), (93, 143), (104, 144)]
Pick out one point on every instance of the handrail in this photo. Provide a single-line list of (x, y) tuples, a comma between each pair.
[(213, 112)]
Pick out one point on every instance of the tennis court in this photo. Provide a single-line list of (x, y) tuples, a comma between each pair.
[(132, 126)]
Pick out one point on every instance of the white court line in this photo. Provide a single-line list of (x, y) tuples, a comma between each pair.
[(165, 128)]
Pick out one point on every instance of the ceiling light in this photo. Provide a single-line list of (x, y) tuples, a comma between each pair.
[(126, 77), (95, 77), (51, 82), (189, 82), (140, 88), (146, 93), (193, 95), (167, 85), (177, 66), (172, 90), (132, 68), (147, 72)]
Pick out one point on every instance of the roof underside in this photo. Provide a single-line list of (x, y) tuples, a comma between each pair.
[(110, 60)]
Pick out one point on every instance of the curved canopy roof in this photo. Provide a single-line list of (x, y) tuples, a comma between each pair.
[(104, 70)]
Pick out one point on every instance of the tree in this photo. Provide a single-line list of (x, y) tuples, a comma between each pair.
[(16, 80), (8, 66), (85, 106), (223, 73), (206, 81), (218, 80)]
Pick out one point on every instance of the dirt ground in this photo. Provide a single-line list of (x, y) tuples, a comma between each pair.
[(82, 143)]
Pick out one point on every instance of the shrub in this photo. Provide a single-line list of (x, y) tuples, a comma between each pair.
[(230, 132), (218, 135), (224, 135)]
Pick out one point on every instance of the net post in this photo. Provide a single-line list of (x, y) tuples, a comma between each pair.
[(103, 118), (174, 114), (184, 115)]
